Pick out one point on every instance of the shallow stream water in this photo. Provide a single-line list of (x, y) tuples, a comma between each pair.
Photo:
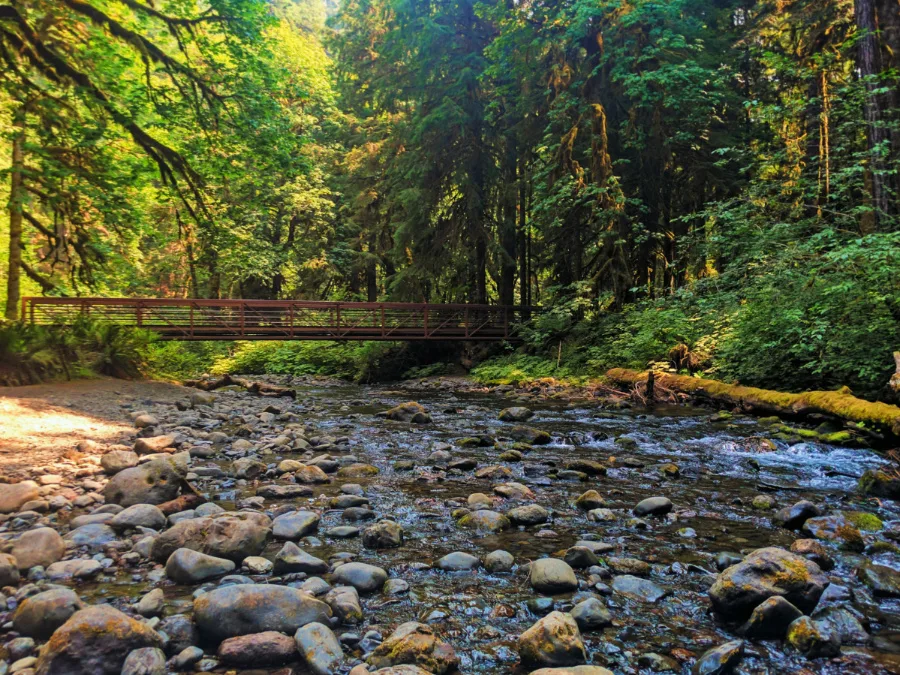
[(722, 467)]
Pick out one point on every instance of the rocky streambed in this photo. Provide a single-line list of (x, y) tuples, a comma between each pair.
[(475, 531)]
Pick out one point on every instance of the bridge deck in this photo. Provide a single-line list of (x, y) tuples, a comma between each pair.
[(177, 319)]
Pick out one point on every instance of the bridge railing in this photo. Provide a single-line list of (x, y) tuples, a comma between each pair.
[(189, 319)]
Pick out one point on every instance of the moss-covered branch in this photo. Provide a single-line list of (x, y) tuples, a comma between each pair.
[(856, 412)]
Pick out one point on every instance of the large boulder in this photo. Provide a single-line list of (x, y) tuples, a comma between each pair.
[(41, 614), (553, 641), (244, 609), (154, 482), (415, 644), (879, 483), (13, 495), (42, 546), (763, 574), (94, 641), (233, 536)]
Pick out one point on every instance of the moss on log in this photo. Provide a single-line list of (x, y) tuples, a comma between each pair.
[(856, 412)]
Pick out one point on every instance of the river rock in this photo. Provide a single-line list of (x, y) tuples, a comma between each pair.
[(91, 536), (552, 576), (515, 414), (553, 641), (843, 622), (642, 590), (485, 521), (719, 660), (295, 524), (115, 461), (80, 568), (9, 570), (883, 580), (813, 550), (529, 435), (880, 483), (153, 444), (415, 644), (40, 615), (529, 514), (513, 490), (792, 517), (13, 495), (186, 566), (580, 557), (268, 648), (573, 670), (814, 639), (363, 577), (310, 474), (457, 562), (770, 619), (292, 559), (498, 562), (151, 604), (284, 491), (835, 529), (344, 602), (357, 470), (319, 648), (145, 661), (590, 500), (247, 468), (385, 534), (408, 412), (233, 536), (591, 614), (653, 506), (154, 482), (95, 640), (765, 573), (244, 609), (139, 515)]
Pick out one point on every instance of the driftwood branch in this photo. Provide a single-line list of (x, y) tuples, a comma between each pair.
[(258, 388)]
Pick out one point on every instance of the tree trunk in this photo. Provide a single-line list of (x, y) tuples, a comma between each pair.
[(371, 272), (868, 60), (508, 232), (16, 205)]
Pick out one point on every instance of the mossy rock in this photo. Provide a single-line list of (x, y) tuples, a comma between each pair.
[(879, 483), (867, 522)]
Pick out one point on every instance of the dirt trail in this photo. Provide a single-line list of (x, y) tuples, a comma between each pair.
[(40, 423)]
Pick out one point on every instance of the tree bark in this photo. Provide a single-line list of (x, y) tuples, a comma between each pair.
[(868, 61), (16, 205)]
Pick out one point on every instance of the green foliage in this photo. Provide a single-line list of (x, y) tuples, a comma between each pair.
[(171, 360), (517, 368), (30, 354)]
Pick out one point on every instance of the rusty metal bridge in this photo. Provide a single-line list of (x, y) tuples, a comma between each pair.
[(187, 319)]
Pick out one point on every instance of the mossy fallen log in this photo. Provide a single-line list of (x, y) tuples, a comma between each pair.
[(872, 419)]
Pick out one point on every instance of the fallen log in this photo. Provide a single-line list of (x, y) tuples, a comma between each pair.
[(258, 388), (856, 413)]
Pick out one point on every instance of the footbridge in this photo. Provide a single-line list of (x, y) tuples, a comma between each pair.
[(190, 319)]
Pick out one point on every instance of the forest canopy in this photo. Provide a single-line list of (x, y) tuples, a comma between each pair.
[(717, 174)]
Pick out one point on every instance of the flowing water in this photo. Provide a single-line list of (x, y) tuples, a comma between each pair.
[(723, 465)]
